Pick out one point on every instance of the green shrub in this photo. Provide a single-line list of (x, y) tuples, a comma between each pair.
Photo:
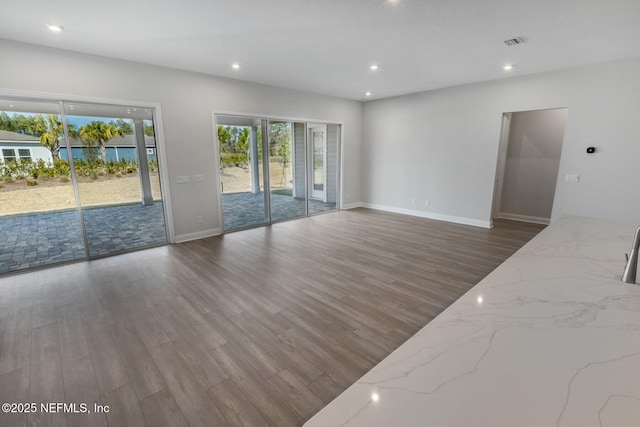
[(112, 167), (118, 174), (82, 168), (40, 169), (132, 167), (30, 182), (86, 168), (15, 169), (235, 159), (61, 168)]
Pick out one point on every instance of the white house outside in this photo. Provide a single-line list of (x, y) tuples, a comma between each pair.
[(20, 147)]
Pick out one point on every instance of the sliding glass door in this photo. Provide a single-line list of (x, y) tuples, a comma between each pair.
[(243, 171), (39, 222), (114, 157), (298, 161), (77, 181), (287, 164)]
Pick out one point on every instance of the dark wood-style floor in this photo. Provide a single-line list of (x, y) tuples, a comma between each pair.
[(259, 327)]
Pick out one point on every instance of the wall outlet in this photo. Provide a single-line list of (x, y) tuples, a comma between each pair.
[(413, 201), (572, 178), (199, 219), (427, 203)]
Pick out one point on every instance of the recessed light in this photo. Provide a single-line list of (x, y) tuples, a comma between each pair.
[(508, 67), (375, 396), (55, 27), (367, 94), (374, 67), (235, 66)]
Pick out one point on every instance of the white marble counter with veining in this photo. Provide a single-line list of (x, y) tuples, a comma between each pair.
[(550, 338)]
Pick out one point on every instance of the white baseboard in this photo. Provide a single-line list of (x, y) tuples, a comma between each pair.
[(430, 215), (351, 205), (524, 218), (198, 235)]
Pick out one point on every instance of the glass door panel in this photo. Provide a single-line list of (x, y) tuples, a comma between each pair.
[(318, 161), (243, 171), (115, 162), (323, 181), (324, 140), (273, 170), (287, 163), (39, 221)]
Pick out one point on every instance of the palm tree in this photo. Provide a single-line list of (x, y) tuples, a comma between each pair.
[(101, 133), (50, 130)]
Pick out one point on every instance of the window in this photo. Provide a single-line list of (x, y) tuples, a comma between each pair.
[(25, 155), (9, 154)]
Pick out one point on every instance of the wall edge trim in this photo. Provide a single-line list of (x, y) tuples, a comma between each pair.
[(430, 215)]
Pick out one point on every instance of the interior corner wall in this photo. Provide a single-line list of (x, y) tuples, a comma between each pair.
[(187, 100), (442, 146), (533, 159)]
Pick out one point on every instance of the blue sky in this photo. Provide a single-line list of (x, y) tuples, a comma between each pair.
[(78, 121)]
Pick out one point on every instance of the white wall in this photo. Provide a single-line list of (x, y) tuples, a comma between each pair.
[(187, 101), (531, 167), (442, 145)]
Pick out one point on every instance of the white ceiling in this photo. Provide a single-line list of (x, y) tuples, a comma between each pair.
[(327, 46)]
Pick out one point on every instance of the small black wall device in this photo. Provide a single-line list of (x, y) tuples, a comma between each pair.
[(591, 150)]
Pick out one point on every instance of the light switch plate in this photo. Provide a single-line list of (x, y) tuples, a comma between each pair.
[(572, 178), (198, 178), (182, 179)]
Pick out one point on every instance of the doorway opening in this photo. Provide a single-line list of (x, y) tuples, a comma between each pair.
[(528, 163)]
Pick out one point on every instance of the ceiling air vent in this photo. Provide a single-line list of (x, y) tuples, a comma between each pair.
[(513, 42)]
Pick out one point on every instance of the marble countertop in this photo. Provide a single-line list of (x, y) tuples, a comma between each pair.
[(549, 338)]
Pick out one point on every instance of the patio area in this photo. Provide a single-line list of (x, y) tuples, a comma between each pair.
[(242, 210), (46, 238)]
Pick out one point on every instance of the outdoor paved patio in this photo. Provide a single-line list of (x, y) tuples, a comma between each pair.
[(120, 228), (39, 239), (241, 210), (44, 238)]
